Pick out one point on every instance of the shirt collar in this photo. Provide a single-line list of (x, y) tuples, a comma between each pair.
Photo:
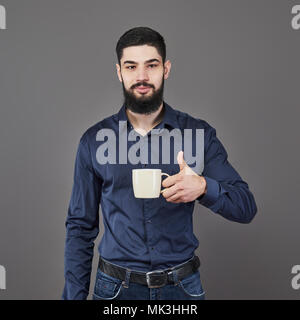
[(169, 117)]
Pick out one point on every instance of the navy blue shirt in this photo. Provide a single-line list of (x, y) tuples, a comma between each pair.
[(142, 234)]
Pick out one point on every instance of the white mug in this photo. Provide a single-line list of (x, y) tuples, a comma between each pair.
[(147, 182)]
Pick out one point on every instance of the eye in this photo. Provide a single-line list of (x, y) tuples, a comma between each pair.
[(153, 65)]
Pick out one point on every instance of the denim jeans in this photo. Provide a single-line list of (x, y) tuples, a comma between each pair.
[(110, 288)]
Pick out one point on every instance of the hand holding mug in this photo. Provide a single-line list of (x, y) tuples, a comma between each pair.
[(185, 186)]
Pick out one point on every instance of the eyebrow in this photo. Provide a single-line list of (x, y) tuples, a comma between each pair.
[(148, 61)]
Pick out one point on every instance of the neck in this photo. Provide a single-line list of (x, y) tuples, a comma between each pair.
[(143, 123)]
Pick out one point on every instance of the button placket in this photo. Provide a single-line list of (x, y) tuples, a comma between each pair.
[(143, 141)]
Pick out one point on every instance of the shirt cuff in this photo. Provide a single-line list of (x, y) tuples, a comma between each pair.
[(212, 192), (73, 292)]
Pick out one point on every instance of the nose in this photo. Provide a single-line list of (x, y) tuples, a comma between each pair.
[(142, 75)]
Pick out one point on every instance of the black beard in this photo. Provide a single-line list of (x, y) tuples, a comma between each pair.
[(143, 104)]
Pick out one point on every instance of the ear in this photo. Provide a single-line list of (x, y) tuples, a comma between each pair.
[(119, 72), (167, 69)]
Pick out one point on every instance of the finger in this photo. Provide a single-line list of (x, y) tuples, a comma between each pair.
[(177, 201), (171, 180), (175, 197), (168, 192), (181, 161)]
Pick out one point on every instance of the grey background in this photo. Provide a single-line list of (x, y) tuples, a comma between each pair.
[(235, 64)]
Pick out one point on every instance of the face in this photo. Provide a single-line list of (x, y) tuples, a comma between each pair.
[(142, 75)]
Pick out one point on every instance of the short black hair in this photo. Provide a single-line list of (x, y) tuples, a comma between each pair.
[(139, 36)]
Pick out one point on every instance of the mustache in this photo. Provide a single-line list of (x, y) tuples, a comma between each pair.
[(142, 84)]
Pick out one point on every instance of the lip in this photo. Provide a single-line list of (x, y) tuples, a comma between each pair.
[(143, 89)]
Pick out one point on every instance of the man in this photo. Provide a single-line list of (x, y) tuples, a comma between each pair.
[(148, 247)]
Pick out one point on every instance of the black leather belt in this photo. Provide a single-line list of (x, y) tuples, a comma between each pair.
[(153, 279)]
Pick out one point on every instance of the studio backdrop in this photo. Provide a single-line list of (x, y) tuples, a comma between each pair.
[(235, 64)]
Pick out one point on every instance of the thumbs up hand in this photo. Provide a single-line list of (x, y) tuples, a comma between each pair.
[(185, 186)]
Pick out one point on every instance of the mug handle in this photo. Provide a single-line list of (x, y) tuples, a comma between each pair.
[(164, 174)]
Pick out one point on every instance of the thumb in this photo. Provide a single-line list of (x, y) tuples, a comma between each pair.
[(181, 160)]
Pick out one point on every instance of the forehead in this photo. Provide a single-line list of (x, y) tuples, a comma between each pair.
[(140, 53)]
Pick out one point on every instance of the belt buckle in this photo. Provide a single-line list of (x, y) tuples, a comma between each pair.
[(157, 284)]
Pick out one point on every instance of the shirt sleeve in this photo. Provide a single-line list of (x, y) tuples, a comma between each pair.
[(227, 194), (82, 226)]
